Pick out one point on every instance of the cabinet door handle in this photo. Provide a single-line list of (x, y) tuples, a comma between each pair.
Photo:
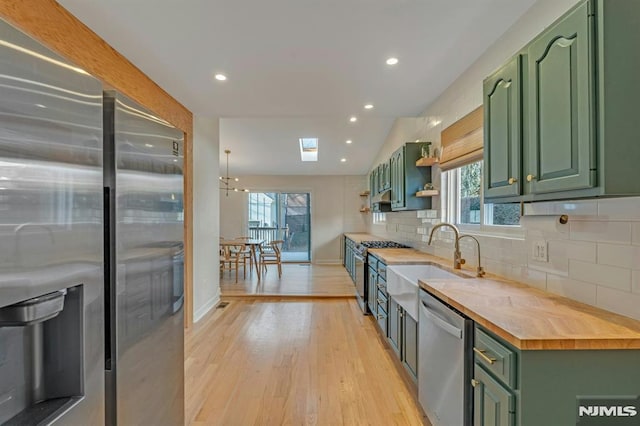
[(481, 353), (512, 181), (530, 178), (380, 301), (474, 382)]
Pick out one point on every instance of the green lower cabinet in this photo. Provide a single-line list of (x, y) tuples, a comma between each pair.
[(402, 335), (493, 403), (542, 387), (394, 331), (410, 344)]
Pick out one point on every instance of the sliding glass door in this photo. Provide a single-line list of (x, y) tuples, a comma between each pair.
[(282, 216)]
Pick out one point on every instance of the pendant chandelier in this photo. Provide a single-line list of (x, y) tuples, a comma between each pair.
[(227, 182)]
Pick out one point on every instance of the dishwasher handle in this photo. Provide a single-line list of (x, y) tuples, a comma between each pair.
[(441, 323)]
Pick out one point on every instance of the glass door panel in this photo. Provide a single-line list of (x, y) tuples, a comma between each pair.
[(282, 216)]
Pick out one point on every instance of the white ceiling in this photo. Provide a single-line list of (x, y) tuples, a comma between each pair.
[(301, 68)]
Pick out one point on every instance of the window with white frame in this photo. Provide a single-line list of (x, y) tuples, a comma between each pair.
[(465, 201)]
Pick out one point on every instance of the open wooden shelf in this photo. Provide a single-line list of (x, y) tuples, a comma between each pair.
[(427, 193), (365, 210), (426, 162), (365, 193)]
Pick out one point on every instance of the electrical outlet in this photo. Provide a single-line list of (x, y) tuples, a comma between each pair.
[(541, 251)]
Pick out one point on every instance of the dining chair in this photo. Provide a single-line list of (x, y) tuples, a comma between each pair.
[(270, 254), (237, 257), (247, 250)]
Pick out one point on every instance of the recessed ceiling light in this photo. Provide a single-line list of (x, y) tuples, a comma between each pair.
[(349, 141), (148, 145), (344, 160), (353, 119), (221, 77), (392, 61), (40, 106), (368, 106)]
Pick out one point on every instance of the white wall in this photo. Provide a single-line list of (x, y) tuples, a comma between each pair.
[(335, 208), (206, 208), (595, 258)]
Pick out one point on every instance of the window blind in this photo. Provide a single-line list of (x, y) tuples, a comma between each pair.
[(463, 141)]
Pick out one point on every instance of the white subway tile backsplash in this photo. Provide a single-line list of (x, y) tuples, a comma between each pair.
[(577, 290), (635, 281), (602, 275), (636, 234), (619, 208), (572, 208), (579, 250), (618, 255), (606, 232), (621, 302), (545, 224), (530, 276)]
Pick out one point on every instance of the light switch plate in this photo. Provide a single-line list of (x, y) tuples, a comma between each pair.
[(540, 251)]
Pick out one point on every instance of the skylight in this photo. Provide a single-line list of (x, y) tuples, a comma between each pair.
[(309, 149)]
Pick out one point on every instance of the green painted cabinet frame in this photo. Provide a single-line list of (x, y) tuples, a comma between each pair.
[(579, 94), (493, 403), (503, 131), (561, 106), (547, 383), (407, 178)]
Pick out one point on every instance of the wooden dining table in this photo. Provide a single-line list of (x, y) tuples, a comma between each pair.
[(252, 243)]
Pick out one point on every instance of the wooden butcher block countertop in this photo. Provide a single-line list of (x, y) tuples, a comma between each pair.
[(526, 317)]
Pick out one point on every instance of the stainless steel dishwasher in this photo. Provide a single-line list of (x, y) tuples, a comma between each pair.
[(444, 363)]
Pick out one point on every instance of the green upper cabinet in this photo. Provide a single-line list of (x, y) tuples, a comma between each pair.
[(397, 173), (503, 131), (573, 92), (373, 182), (407, 178), (384, 179), (561, 106)]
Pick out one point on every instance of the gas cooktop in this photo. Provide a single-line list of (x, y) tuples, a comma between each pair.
[(382, 244)]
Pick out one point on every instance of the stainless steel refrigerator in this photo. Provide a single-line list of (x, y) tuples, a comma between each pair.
[(91, 249), (144, 257), (51, 226)]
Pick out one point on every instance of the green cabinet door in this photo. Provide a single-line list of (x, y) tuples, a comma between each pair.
[(410, 344), (394, 332), (561, 106), (503, 131), (373, 182), (398, 181), (372, 289), (493, 404), (393, 178)]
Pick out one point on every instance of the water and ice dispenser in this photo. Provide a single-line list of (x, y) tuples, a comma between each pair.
[(41, 357)]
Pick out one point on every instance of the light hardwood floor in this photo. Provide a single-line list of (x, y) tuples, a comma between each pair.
[(297, 280), (263, 361)]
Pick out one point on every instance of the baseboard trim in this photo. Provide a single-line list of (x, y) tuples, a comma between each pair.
[(204, 309), (328, 262)]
